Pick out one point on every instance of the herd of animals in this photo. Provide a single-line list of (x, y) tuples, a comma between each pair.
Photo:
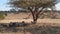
[(14, 24)]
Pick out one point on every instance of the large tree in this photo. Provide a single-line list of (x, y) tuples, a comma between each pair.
[(36, 7)]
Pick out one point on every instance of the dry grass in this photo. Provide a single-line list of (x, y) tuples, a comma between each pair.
[(31, 29)]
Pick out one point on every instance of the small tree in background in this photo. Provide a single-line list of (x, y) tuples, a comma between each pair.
[(36, 7)]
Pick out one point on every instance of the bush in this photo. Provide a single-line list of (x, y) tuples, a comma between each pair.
[(2, 16)]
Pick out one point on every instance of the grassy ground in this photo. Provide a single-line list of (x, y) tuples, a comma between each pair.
[(31, 29)]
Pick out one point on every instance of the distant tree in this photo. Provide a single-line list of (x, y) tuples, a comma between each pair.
[(36, 7), (12, 10)]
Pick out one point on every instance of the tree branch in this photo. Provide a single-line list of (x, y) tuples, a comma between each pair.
[(40, 11)]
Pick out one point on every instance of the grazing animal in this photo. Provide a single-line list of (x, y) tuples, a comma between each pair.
[(22, 24), (12, 24), (4, 25)]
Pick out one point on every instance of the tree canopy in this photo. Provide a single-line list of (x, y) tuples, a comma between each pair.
[(32, 3)]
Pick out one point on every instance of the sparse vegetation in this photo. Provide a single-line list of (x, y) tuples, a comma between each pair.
[(2, 16), (35, 8)]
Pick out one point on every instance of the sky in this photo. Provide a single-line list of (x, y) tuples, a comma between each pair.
[(5, 7), (58, 6)]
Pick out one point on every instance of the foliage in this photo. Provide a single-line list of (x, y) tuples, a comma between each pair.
[(32, 3), (1, 16)]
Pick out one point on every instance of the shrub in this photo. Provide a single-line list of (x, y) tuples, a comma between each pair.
[(2, 16)]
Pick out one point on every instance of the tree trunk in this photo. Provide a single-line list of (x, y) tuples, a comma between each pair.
[(35, 14), (35, 17), (34, 20)]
